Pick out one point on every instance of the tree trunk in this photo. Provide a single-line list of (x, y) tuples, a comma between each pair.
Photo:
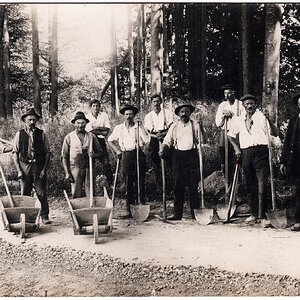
[(130, 55), (6, 59), (35, 60), (272, 59), (138, 57), (53, 105), (144, 36), (156, 49), (114, 76), (203, 50), (2, 96), (245, 53)]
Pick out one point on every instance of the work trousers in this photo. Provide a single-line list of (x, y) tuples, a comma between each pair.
[(185, 166), (31, 178), (129, 159), (255, 162), (104, 161), (156, 161), (296, 178), (81, 178)]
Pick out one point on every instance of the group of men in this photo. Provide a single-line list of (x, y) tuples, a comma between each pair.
[(245, 126)]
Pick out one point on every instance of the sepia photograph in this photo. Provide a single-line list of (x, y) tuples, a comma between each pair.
[(149, 149)]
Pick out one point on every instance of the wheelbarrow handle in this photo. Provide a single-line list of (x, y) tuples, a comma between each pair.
[(6, 187)]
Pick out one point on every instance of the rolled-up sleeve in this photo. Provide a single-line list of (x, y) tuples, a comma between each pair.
[(114, 136), (65, 151), (219, 115), (16, 143)]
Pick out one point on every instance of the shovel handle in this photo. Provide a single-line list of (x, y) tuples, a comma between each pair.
[(91, 174), (6, 187), (271, 166), (163, 175), (115, 180), (226, 157), (201, 165), (138, 163), (6, 142)]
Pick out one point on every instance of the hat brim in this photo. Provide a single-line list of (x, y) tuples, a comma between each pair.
[(73, 121), (134, 110), (177, 109), (26, 115), (295, 99)]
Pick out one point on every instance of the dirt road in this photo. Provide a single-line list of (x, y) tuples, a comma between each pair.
[(155, 258)]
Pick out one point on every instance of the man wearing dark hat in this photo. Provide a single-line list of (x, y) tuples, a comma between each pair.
[(100, 126), (123, 141), (157, 123), (182, 137), (78, 145), (253, 139), (31, 158), (290, 157), (227, 109)]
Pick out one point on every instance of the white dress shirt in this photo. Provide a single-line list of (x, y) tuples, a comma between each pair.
[(102, 120), (236, 108), (257, 134), (126, 137), (160, 121), (180, 135)]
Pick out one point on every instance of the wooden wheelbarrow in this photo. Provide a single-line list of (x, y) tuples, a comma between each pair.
[(91, 215), (20, 213)]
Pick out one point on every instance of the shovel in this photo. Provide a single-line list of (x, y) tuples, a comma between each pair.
[(6, 187), (278, 218), (231, 206), (140, 212), (91, 175), (222, 208), (204, 216)]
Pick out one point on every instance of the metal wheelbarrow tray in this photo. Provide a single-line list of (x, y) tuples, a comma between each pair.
[(22, 217), (91, 220)]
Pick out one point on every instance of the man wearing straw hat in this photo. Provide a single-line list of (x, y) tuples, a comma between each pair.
[(123, 141), (290, 157), (31, 158), (157, 123), (182, 137), (253, 139), (226, 110), (75, 154)]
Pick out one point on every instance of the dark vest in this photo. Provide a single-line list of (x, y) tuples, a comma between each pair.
[(38, 146)]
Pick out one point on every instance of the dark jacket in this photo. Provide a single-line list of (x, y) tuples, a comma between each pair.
[(288, 150)]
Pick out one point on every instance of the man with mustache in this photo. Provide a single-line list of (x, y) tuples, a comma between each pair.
[(227, 109), (78, 145), (123, 141), (31, 158), (183, 137), (253, 139), (157, 123)]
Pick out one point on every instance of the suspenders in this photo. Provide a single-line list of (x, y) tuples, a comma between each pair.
[(174, 133)]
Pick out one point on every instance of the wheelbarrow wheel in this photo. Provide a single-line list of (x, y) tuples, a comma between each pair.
[(22, 230), (96, 228)]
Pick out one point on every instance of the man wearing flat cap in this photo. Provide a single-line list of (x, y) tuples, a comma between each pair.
[(251, 129), (78, 145), (183, 138), (123, 141), (290, 157), (31, 158), (227, 109)]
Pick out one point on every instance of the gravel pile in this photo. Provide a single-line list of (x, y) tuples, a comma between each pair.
[(139, 279)]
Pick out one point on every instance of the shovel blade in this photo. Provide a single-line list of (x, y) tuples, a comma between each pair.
[(278, 218), (204, 216), (222, 211), (140, 212)]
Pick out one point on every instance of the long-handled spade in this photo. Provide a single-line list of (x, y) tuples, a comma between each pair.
[(222, 208), (203, 216), (140, 212), (278, 218)]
